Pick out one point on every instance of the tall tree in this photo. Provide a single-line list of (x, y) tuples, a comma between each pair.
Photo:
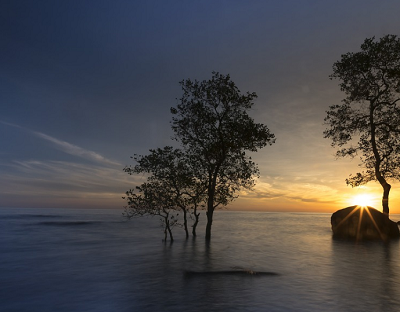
[(369, 113), (212, 123)]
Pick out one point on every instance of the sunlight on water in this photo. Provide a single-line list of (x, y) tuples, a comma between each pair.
[(93, 260)]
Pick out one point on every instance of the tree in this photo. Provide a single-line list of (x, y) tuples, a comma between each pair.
[(212, 123), (151, 199), (170, 169), (369, 113)]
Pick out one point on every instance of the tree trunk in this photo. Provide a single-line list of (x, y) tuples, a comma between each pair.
[(385, 198), (169, 231), (209, 213), (386, 186), (210, 202), (196, 221), (386, 189), (185, 222), (165, 233)]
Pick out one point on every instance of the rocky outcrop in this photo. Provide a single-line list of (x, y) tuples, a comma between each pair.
[(363, 223)]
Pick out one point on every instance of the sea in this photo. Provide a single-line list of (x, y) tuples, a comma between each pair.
[(95, 260)]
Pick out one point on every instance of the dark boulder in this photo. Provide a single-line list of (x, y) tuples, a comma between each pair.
[(363, 223)]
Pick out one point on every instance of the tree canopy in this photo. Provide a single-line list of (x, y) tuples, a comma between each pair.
[(215, 130), (152, 199), (370, 112), (168, 169)]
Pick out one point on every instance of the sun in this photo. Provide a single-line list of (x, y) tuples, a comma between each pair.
[(363, 200)]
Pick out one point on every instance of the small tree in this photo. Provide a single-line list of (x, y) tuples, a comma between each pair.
[(171, 170), (151, 199), (370, 112), (212, 123)]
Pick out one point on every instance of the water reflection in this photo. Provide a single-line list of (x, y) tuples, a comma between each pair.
[(108, 265), (366, 273)]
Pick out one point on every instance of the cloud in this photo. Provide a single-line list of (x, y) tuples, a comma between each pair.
[(75, 150), (35, 183), (301, 191), (71, 176), (68, 147)]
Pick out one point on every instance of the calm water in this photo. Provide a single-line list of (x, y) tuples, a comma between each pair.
[(93, 260)]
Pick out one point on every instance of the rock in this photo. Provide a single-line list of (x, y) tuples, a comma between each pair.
[(363, 223)]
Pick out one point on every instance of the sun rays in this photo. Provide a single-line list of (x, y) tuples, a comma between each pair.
[(360, 224), (363, 200)]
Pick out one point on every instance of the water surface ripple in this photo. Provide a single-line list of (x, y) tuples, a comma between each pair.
[(93, 260)]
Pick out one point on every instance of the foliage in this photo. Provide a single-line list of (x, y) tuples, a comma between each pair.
[(369, 113), (169, 169), (212, 123), (151, 199)]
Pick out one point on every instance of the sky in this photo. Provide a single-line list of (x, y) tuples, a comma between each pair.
[(84, 85)]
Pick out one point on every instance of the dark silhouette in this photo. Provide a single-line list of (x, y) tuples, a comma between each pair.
[(369, 113), (363, 223), (215, 131), (151, 199), (173, 172), (212, 124)]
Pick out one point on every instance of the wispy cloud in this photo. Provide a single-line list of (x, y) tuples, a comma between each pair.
[(63, 184), (75, 150), (68, 147), (11, 124), (300, 191), (63, 176)]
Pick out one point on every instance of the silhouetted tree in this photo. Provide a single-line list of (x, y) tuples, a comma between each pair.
[(212, 123), (151, 199), (369, 113), (171, 170)]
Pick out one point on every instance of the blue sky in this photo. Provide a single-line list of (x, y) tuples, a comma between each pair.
[(86, 84)]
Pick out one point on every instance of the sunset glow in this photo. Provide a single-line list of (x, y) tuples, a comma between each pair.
[(70, 125), (363, 200)]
